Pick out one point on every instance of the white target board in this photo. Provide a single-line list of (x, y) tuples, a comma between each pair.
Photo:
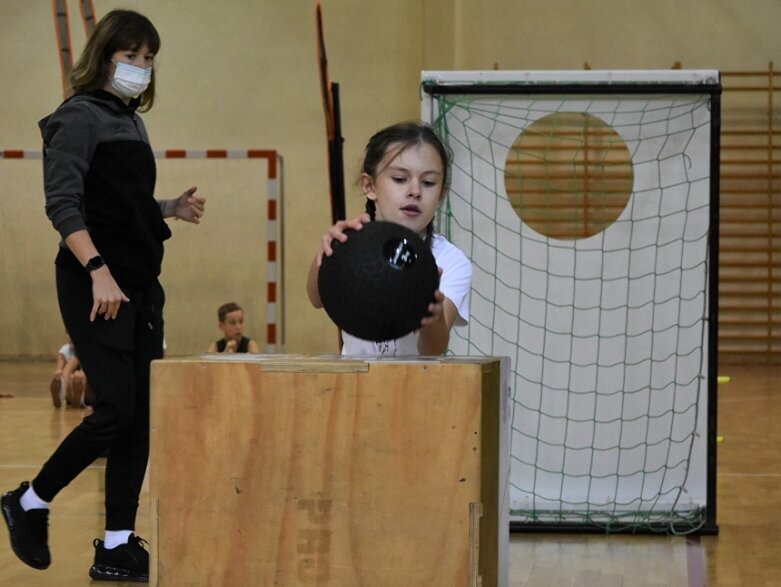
[(587, 202)]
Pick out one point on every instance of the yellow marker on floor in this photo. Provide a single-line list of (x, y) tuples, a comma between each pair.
[(720, 439), (723, 379)]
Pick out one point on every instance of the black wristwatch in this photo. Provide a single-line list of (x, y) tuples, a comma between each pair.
[(94, 263)]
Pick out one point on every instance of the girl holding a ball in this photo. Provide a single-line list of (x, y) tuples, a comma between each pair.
[(405, 178)]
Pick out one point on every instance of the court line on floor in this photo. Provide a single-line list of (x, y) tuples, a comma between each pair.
[(695, 562)]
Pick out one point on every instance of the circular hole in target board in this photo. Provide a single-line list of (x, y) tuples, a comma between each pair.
[(569, 175)]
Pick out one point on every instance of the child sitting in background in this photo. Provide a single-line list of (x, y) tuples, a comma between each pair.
[(231, 322), (69, 383)]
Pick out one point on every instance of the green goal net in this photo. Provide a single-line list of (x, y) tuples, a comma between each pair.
[(587, 202)]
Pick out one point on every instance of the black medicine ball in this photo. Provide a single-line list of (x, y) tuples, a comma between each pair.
[(378, 285)]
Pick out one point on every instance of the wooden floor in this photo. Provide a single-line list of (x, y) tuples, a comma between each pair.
[(745, 553)]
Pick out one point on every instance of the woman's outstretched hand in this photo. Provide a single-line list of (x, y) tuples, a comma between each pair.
[(190, 207)]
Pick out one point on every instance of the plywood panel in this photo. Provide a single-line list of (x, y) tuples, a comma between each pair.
[(328, 472)]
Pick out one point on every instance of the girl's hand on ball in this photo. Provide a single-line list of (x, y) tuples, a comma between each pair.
[(336, 232), (435, 309)]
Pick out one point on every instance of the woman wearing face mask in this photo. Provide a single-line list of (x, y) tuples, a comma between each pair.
[(99, 173)]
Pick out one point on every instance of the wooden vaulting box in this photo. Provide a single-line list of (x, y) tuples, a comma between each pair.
[(290, 470)]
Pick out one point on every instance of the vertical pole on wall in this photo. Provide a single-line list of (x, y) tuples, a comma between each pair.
[(87, 10), (333, 125), (273, 261), (337, 158), (62, 32)]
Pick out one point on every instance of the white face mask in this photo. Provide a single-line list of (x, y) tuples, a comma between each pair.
[(130, 81)]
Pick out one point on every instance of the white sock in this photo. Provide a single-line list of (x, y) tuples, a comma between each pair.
[(31, 501), (116, 538)]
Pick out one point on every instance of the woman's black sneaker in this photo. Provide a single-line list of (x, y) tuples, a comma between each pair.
[(29, 529), (126, 562)]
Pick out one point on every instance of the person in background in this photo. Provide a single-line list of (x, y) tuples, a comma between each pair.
[(68, 383), (230, 319)]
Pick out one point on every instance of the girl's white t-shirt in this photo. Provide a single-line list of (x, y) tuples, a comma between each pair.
[(454, 283)]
